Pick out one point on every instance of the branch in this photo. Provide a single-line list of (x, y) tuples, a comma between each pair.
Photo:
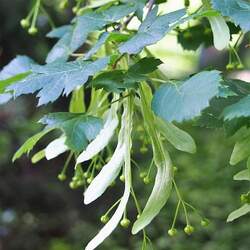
[(150, 5)]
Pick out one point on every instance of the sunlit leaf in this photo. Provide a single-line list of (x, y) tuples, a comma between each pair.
[(55, 79), (186, 100)]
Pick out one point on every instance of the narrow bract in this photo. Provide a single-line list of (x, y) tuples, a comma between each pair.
[(102, 139), (221, 32), (56, 148)]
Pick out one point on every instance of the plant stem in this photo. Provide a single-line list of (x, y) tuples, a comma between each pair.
[(182, 201)]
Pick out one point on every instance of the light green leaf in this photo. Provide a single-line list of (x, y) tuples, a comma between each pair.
[(38, 156), (102, 39), (239, 212), (241, 150), (237, 10), (187, 100), (77, 104), (243, 175), (180, 139), (30, 144), (239, 109), (57, 78), (152, 30), (5, 83)]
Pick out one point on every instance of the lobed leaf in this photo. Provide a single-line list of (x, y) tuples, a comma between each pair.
[(55, 79), (153, 29)]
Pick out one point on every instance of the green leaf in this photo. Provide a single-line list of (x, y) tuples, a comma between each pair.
[(55, 79), (106, 37), (79, 129), (139, 6), (153, 29), (15, 71), (241, 150), (38, 156), (93, 21), (77, 104), (30, 144), (239, 212), (72, 37), (102, 39), (5, 83), (237, 10), (18, 65), (180, 139), (243, 175), (187, 100), (118, 80), (194, 36), (239, 109), (61, 50), (59, 32)]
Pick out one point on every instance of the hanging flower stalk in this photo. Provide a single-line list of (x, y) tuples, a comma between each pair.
[(110, 172), (163, 180)]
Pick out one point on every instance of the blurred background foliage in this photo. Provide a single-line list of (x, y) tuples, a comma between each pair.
[(38, 212)]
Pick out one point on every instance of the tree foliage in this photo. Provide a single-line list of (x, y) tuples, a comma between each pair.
[(98, 52)]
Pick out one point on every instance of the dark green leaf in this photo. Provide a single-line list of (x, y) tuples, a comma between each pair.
[(79, 129), (118, 80), (193, 37), (239, 109)]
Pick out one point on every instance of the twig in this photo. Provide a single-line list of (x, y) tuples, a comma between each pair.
[(150, 5)]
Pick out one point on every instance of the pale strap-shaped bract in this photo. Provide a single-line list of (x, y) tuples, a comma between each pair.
[(103, 138), (221, 32), (114, 221), (106, 176), (56, 148)]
